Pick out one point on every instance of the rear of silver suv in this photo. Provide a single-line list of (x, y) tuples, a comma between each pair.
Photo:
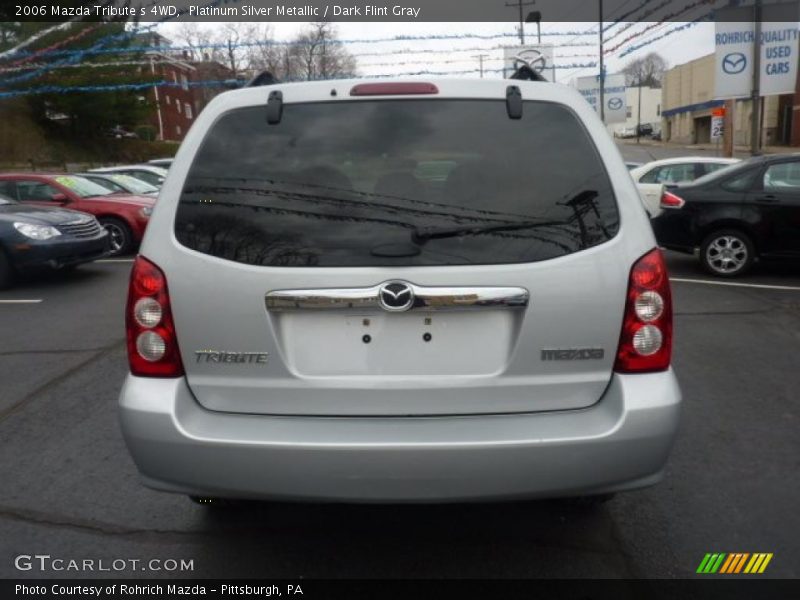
[(399, 291)]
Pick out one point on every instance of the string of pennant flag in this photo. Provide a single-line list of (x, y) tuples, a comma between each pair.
[(232, 83)]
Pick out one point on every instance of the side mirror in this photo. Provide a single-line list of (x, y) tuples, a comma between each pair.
[(60, 198)]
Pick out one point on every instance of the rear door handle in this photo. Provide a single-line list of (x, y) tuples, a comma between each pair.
[(769, 199)]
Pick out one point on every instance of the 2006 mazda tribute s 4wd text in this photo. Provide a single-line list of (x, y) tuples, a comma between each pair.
[(399, 291)]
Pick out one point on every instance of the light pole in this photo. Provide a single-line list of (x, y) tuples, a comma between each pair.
[(755, 123), (602, 69), (639, 111), (520, 4), (536, 17)]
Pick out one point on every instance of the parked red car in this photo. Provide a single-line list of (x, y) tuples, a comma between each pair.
[(124, 216)]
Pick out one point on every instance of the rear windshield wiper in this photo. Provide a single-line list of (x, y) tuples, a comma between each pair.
[(420, 236)]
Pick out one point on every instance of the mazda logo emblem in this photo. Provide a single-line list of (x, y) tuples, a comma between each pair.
[(734, 63), (396, 296), (615, 103)]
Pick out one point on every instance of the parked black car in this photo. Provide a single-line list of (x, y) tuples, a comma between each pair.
[(736, 215), (37, 236)]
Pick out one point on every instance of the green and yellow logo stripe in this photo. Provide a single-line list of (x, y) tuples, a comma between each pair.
[(734, 563)]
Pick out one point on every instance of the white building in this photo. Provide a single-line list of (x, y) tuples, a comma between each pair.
[(651, 110)]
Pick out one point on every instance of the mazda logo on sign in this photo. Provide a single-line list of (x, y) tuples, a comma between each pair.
[(614, 103), (530, 57), (734, 63), (396, 296)]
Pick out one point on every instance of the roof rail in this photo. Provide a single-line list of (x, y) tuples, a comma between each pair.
[(263, 78)]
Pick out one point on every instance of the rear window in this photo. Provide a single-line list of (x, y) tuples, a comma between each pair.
[(396, 183)]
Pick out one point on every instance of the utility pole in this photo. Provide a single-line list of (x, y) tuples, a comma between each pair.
[(602, 68), (480, 58), (520, 4), (755, 123)]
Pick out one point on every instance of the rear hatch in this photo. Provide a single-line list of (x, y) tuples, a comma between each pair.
[(397, 256)]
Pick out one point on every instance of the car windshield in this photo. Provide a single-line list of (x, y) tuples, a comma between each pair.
[(6, 200), (83, 187), (349, 184), (137, 186)]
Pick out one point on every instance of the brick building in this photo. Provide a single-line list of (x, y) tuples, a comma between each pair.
[(177, 104)]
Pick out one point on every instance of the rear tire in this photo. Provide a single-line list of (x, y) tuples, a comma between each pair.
[(727, 253), (6, 272), (121, 236)]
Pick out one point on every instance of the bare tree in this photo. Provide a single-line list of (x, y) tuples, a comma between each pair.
[(222, 44), (196, 39), (231, 37), (265, 55), (647, 71), (317, 54)]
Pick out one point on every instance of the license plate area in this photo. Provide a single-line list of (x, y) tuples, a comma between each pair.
[(325, 344)]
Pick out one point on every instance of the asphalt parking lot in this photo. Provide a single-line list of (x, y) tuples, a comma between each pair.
[(70, 489)]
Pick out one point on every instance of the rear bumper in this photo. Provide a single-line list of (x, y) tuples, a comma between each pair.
[(622, 442), (674, 230)]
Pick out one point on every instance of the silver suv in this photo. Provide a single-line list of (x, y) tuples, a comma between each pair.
[(399, 291)]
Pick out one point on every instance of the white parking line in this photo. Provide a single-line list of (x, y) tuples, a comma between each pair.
[(731, 284), (21, 301), (115, 260)]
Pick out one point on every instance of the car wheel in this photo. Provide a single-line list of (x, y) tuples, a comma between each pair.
[(727, 253), (120, 234), (6, 272)]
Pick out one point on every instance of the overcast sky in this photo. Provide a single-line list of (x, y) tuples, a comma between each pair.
[(457, 55)]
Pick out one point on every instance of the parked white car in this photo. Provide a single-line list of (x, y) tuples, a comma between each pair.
[(652, 177), (149, 173)]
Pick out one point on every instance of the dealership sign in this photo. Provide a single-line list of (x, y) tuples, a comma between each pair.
[(615, 110), (538, 56), (778, 48)]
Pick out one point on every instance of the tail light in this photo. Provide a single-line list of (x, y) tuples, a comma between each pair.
[(152, 343), (645, 344), (670, 200)]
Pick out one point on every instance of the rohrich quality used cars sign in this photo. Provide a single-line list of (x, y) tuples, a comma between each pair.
[(616, 109), (734, 41)]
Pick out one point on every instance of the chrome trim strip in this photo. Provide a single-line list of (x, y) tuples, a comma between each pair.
[(426, 299)]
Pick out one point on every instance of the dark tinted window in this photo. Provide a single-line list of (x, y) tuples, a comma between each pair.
[(739, 183), (28, 190), (396, 183), (8, 189)]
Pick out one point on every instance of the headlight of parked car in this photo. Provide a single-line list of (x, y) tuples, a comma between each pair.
[(37, 232), (147, 211)]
